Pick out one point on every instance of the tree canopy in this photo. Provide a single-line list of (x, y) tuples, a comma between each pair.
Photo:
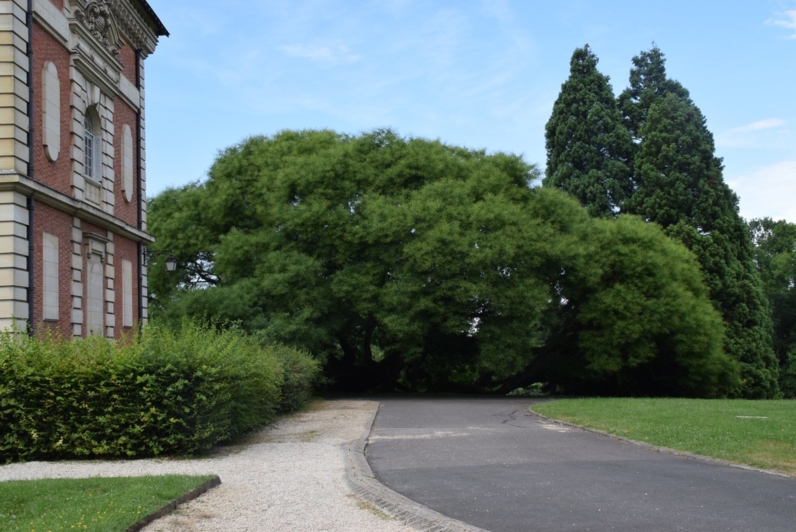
[(775, 258), (589, 149), (412, 264), (677, 183)]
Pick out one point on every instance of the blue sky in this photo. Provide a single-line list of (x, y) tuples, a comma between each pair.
[(477, 73)]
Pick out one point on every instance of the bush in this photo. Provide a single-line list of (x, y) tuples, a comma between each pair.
[(300, 373), (163, 392)]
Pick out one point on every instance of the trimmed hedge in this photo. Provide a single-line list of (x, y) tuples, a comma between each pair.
[(164, 392), (300, 374)]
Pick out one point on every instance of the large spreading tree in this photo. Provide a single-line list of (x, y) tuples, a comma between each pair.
[(589, 149), (408, 263), (678, 184)]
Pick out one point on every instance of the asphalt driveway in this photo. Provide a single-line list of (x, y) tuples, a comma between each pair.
[(488, 462)]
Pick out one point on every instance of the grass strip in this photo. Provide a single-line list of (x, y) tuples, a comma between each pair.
[(757, 433), (96, 503)]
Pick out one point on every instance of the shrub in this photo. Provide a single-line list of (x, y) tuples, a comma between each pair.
[(162, 392), (300, 374)]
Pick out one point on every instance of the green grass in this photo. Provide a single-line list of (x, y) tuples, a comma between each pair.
[(721, 428), (101, 504)]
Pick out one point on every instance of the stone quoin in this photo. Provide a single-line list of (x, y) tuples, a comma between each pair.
[(73, 229)]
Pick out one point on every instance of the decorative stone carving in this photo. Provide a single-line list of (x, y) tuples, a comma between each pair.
[(97, 18), (132, 24)]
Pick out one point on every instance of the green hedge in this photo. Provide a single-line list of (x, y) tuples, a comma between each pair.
[(301, 373), (164, 392)]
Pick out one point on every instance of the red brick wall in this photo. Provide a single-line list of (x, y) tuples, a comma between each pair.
[(128, 250), (127, 58), (58, 3), (55, 222), (124, 114), (58, 174)]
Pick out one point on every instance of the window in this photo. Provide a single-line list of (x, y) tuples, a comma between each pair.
[(92, 155), (88, 146), (92, 145), (50, 273)]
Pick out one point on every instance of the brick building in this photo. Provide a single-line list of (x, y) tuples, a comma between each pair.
[(72, 164)]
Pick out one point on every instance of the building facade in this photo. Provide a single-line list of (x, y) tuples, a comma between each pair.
[(72, 164)]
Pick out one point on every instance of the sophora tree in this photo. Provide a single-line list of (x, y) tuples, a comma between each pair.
[(411, 264)]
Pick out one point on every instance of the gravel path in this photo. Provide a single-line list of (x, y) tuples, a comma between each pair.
[(288, 477)]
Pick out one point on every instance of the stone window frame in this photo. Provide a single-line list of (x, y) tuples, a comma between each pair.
[(88, 97), (92, 146)]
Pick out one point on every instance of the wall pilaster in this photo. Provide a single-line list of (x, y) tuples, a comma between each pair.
[(14, 123)]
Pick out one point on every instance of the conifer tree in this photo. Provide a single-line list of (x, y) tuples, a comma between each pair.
[(679, 185), (588, 147)]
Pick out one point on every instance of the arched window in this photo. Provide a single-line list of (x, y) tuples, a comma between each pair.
[(92, 146)]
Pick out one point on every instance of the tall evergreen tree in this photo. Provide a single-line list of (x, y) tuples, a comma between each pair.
[(648, 83), (679, 185), (588, 147)]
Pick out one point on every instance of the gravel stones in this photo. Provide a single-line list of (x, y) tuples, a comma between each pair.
[(287, 477)]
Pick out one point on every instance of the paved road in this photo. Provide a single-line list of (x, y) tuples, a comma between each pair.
[(489, 463)]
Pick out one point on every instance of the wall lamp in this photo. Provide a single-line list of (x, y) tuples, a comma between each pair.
[(171, 262)]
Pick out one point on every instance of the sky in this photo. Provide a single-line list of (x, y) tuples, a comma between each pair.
[(477, 73)]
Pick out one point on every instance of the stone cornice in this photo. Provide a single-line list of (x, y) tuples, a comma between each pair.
[(125, 18), (134, 27), (19, 183)]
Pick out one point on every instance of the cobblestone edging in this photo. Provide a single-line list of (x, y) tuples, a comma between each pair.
[(170, 507), (363, 482), (665, 450)]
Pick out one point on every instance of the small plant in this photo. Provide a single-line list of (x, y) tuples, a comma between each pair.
[(534, 390)]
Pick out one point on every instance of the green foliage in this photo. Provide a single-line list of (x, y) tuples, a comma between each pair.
[(680, 186), (408, 263), (94, 504), (301, 374), (163, 392), (775, 258), (648, 83), (633, 318), (589, 149), (677, 183)]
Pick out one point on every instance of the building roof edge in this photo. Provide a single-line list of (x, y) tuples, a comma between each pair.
[(160, 29)]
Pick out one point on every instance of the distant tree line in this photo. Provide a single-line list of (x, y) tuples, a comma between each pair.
[(413, 265)]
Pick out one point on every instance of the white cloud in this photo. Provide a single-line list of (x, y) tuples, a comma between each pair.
[(768, 191), (767, 133), (787, 20), (760, 125), (334, 53)]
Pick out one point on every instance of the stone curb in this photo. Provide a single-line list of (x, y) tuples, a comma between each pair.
[(170, 507), (363, 482), (664, 450)]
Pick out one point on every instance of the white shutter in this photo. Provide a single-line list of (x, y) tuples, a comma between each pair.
[(50, 273), (127, 293), (51, 117), (96, 297)]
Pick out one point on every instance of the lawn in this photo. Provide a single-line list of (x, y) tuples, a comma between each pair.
[(757, 433), (100, 504)]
